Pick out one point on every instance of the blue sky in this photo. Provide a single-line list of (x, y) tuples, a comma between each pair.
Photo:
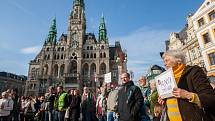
[(142, 26)]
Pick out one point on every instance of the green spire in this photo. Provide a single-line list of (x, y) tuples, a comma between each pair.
[(52, 37), (102, 30)]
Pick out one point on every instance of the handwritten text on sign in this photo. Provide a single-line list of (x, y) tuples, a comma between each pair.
[(165, 83)]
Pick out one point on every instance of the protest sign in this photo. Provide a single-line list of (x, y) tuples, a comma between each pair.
[(165, 83), (108, 77)]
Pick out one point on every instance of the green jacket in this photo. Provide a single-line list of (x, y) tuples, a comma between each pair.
[(62, 102)]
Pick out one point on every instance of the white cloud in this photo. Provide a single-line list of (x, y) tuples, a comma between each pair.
[(143, 47), (31, 50)]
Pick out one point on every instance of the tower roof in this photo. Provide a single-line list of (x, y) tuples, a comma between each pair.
[(52, 36), (102, 30)]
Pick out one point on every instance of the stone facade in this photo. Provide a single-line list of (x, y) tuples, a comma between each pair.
[(204, 25), (77, 59), (186, 41), (12, 81)]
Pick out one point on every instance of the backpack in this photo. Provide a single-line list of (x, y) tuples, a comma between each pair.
[(142, 113)]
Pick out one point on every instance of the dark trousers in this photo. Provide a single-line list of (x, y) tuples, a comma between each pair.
[(4, 118), (61, 115)]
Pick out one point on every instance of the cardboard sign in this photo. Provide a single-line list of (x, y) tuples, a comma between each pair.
[(108, 77), (165, 83)]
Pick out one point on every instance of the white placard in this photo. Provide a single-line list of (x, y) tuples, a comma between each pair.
[(108, 77), (165, 83)]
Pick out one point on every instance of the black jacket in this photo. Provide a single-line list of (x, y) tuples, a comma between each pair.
[(129, 111)]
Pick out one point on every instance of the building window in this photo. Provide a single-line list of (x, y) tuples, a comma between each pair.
[(211, 15), (201, 22), (199, 52), (206, 38), (193, 54), (212, 58), (94, 55), (91, 47)]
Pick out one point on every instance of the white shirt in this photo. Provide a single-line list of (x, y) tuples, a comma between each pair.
[(7, 106)]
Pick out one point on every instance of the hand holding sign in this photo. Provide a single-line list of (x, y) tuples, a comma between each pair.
[(165, 83)]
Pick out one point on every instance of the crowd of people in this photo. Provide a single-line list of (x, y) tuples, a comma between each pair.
[(193, 99)]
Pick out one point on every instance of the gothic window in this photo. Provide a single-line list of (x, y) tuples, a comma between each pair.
[(47, 49), (91, 55), (58, 49), (212, 58), (61, 56), (87, 55), (84, 55), (58, 56), (85, 69), (62, 49), (94, 55), (104, 55), (100, 55), (48, 57), (73, 67), (87, 47), (91, 47), (102, 68), (92, 69), (75, 13), (102, 47), (45, 57), (206, 38), (45, 70), (55, 57), (55, 70), (62, 70)]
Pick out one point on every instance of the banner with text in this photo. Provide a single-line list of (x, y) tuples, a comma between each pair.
[(108, 77), (165, 83)]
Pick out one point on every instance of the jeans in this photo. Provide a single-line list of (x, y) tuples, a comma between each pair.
[(111, 116), (61, 115), (49, 115)]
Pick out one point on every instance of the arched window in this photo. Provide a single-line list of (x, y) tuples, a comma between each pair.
[(91, 55), (61, 56), (62, 70), (85, 69), (58, 49), (100, 55), (45, 69), (47, 49), (102, 68), (87, 55), (91, 47), (73, 67), (94, 55), (62, 49), (55, 72), (102, 47), (58, 56), (104, 55)]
